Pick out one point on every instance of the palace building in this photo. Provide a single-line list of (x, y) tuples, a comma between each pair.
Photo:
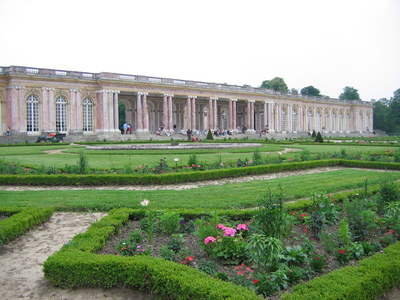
[(35, 101)]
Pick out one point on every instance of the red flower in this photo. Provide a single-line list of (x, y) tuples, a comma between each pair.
[(255, 280)]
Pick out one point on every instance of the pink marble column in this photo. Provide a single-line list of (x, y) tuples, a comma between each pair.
[(210, 114), (189, 112), (12, 109), (44, 109), (139, 117), (193, 112), (215, 113), (72, 110), (145, 113), (234, 115), (22, 108), (230, 113), (116, 118), (165, 111), (170, 114), (51, 110), (79, 114)]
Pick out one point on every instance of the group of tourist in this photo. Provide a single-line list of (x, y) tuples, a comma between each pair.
[(127, 128)]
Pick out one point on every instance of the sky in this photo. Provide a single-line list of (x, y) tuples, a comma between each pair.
[(324, 43)]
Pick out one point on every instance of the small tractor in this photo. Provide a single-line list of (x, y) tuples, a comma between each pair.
[(51, 138)]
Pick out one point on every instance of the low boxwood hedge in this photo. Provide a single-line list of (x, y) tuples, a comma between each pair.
[(373, 277), (20, 220), (78, 265)]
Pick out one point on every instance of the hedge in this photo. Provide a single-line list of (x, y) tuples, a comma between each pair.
[(373, 277), (173, 178), (20, 220), (78, 265)]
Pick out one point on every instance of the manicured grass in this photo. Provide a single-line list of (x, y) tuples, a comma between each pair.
[(227, 196), (34, 156)]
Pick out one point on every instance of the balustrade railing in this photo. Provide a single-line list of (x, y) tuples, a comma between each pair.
[(16, 70)]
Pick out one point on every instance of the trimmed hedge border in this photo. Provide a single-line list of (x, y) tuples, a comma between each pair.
[(76, 265), (181, 177), (21, 220), (373, 277)]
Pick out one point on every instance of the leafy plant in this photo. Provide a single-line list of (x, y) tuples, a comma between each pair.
[(318, 262), (176, 242), (170, 222), (264, 251), (209, 267), (271, 218)]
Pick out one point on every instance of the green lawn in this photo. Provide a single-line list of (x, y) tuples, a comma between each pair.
[(34, 156), (237, 195)]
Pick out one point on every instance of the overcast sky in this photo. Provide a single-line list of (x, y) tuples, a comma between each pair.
[(327, 44)]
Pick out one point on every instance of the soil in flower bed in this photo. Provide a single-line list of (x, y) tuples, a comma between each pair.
[(294, 238)]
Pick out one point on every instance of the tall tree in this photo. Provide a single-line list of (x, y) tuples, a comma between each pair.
[(381, 114), (276, 84), (310, 91), (394, 114), (349, 93)]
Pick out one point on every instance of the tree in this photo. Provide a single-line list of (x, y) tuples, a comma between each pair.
[(349, 93), (294, 91), (310, 91), (381, 114), (394, 113), (277, 84)]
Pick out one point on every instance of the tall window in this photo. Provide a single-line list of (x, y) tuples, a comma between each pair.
[(309, 117), (333, 122), (318, 122), (325, 122), (340, 122), (347, 122), (87, 114), (294, 121), (61, 114), (32, 113), (283, 120)]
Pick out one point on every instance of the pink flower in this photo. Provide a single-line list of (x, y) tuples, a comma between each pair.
[(229, 231), (242, 227), (220, 226), (209, 239)]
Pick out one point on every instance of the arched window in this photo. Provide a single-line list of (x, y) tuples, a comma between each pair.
[(87, 114), (333, 122), (340, 122), (61, 114), (32, 113)]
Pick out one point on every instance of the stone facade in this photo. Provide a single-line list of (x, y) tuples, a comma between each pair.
[(34, 101)]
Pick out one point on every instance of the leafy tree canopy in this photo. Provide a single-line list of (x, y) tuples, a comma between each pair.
[(276, 84), (349, 93), (310, 91)]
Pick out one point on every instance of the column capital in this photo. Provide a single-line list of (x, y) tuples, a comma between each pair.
[(232, 99), (251, 101), (71, 90), (213, 98), (17, 87), (48, 89), (143, 93), (169, 95), (194, 97), (105, 91)]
